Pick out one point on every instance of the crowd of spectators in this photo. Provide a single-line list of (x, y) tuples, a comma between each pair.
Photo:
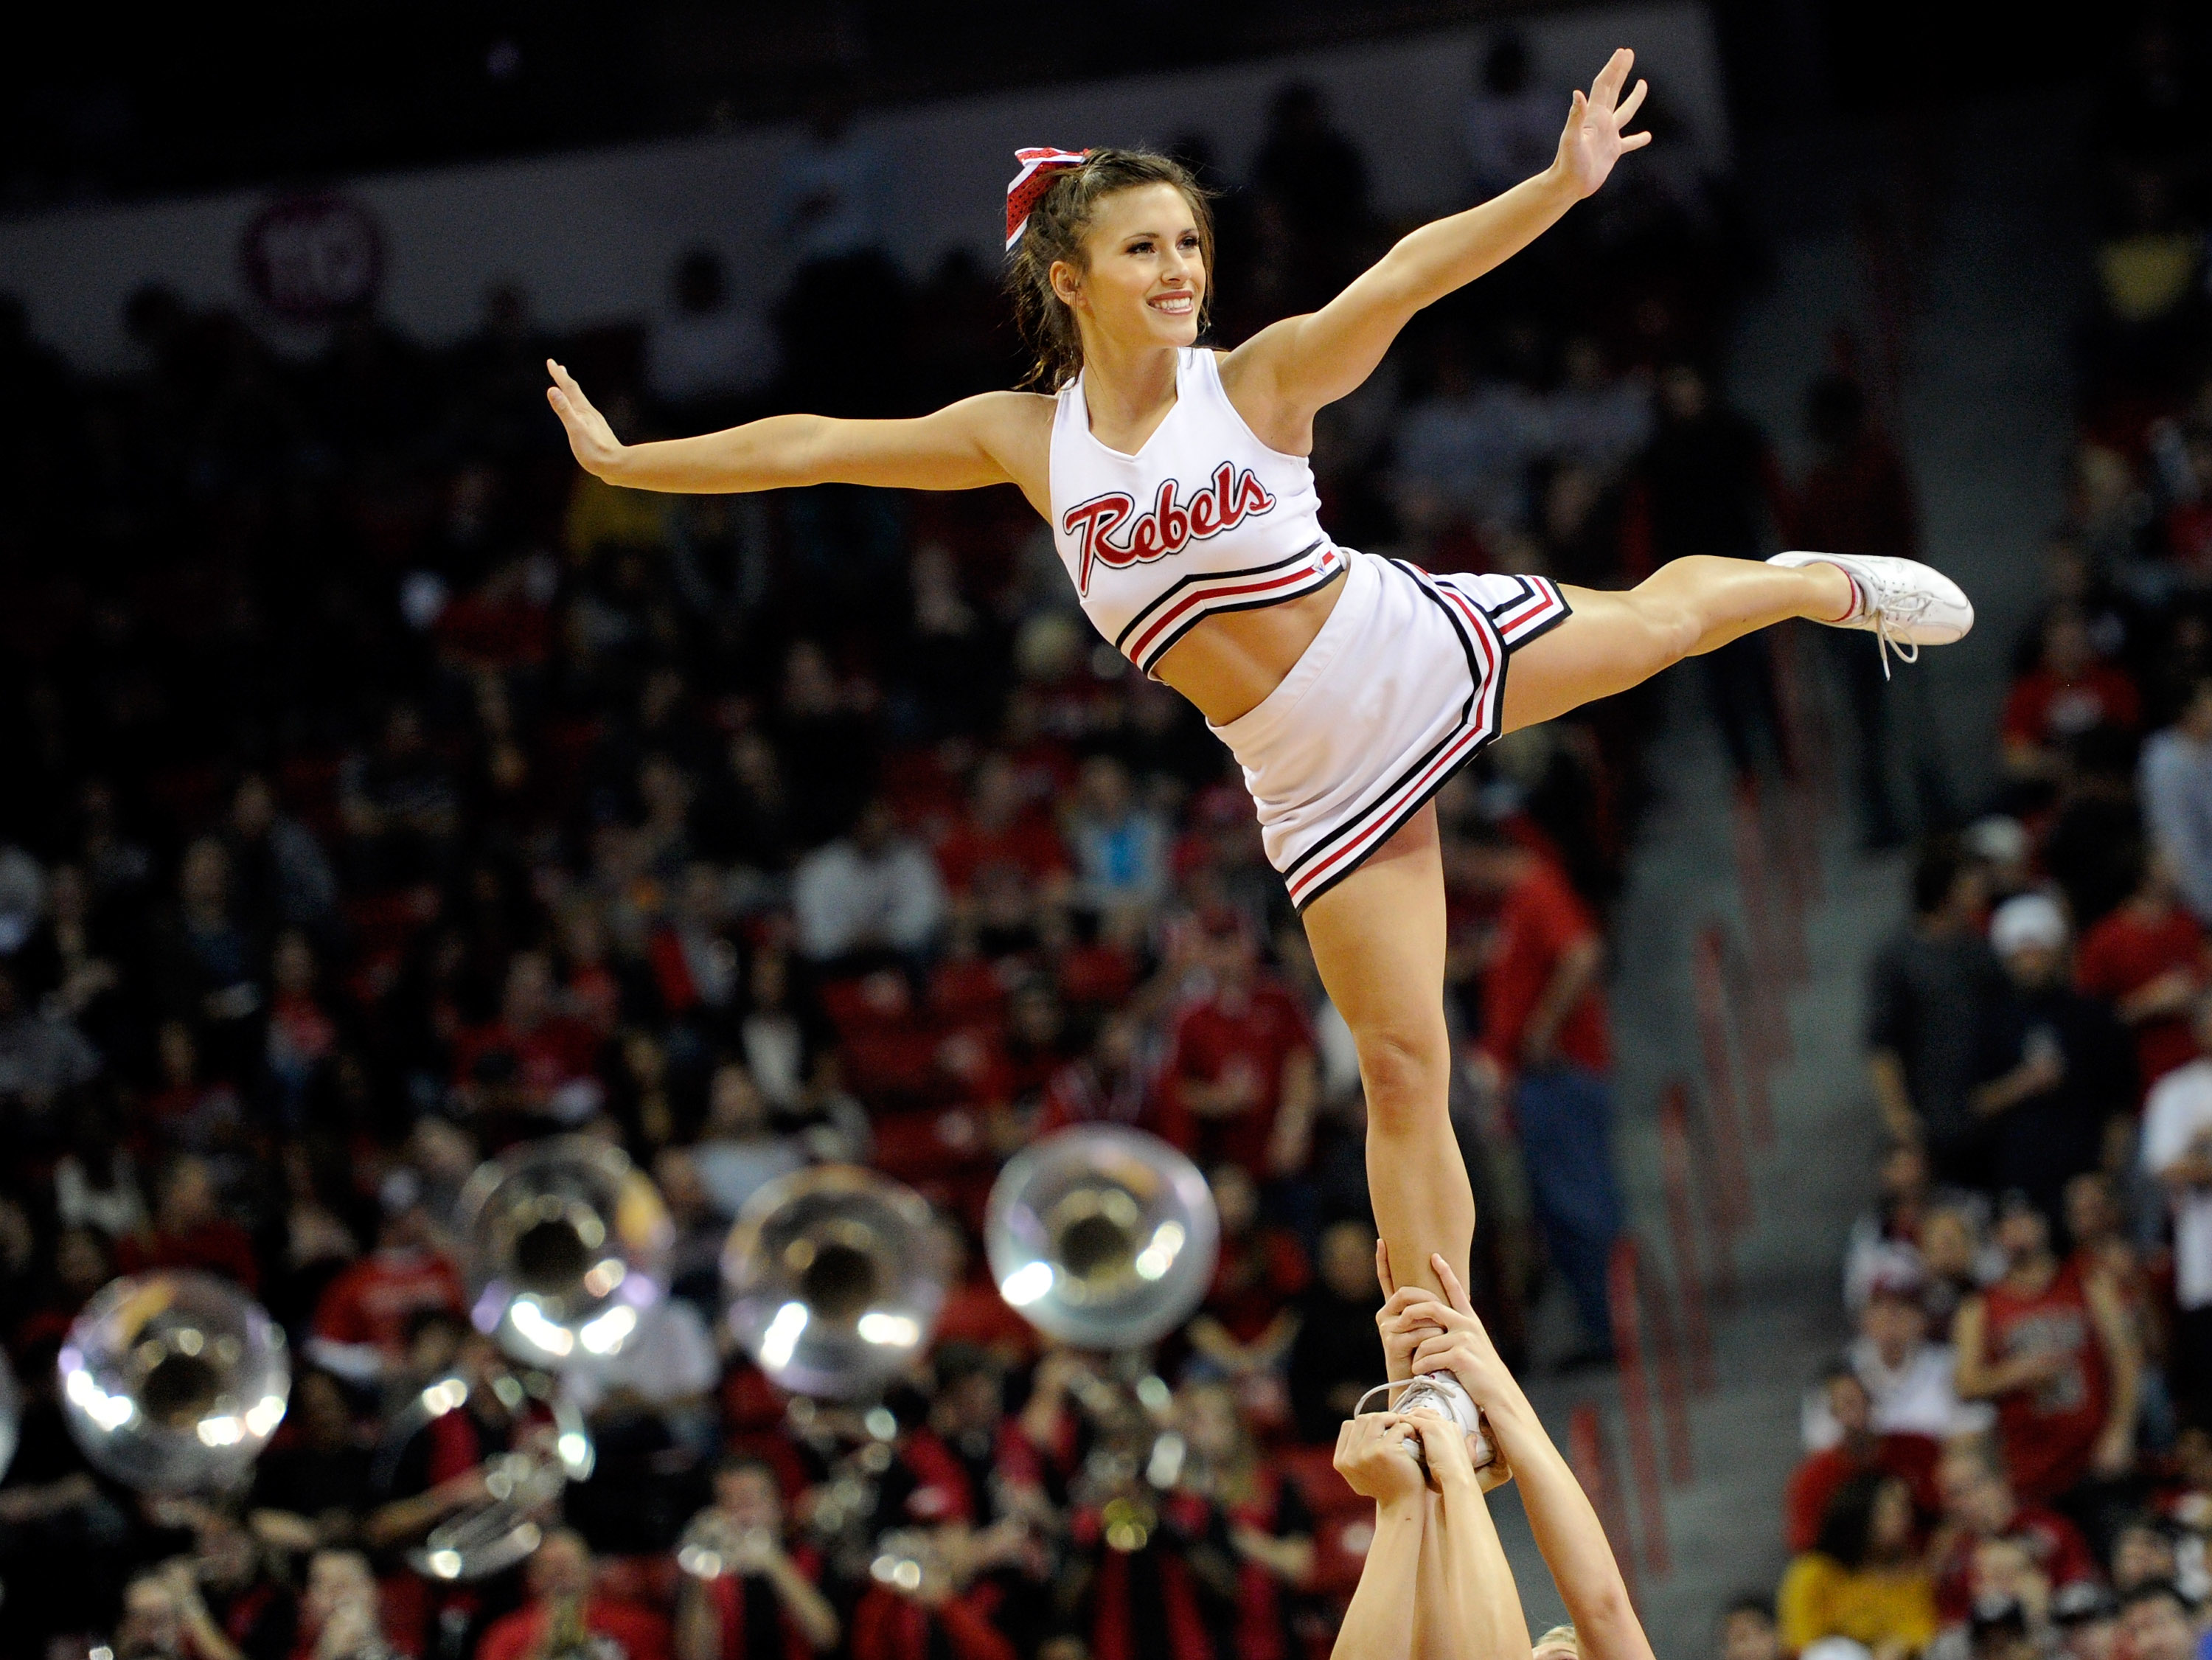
[(2013, 1456), (383, 793)]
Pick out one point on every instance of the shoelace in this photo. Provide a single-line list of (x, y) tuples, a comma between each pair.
[(1891, 607), (1360, 1405)]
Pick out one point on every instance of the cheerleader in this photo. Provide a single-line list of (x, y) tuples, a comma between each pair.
[(1350, 688)]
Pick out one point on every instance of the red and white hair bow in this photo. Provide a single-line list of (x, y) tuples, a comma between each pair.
[(1038, 167)]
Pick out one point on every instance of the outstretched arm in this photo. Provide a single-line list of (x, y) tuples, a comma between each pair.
[(1567, 1530), (997, 438), (1290, 369)]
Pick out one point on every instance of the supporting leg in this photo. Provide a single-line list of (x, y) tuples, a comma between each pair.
[(1379, 941)]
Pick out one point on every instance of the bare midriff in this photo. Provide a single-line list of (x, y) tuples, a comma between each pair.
[(1229, 662)]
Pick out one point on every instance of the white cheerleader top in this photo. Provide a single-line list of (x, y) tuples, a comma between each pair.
[(1203, 518)]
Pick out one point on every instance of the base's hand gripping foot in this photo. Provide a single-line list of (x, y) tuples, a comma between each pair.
[(1442, 1394)]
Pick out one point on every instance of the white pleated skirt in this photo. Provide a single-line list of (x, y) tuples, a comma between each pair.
[(1402, 688)]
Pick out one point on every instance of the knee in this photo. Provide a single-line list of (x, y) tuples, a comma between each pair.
[(1672, 625), (1407, 1072)]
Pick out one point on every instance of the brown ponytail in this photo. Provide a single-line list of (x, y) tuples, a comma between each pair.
[(1057, 224)]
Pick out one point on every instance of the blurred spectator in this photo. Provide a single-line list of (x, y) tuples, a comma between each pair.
[(165, 1618), (1909, 1457), (764, 1606), (2146, 960), (1857, 498), (1318, 178), (2089, 845), (534, 1061), (738, 1152), (1886, 1239), (318, 1472), (1708, 485), (339, 1615), (2177, 1152), (1244, 1329), (1463, 451), (2157, 1622), (936, 1607), (2052, 1348), (1120, 845), (367, 1315), (1545, 1031), (1910, 1381), (871, 895), (1928, 999), (1980, 1509), (564, 1613), (1001, 831), (703, 348), (1338, 1354), (2056, 1066), (2175, 781), (1749, 1630), (1512, 125), (1861, 1579), (191, 1230), (832, 194), (2069, 691), (1239, 1080), (1594, 419), (284, 878)]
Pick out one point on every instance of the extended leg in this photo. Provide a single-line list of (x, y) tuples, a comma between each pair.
[(1379, 941), (1616, 640)]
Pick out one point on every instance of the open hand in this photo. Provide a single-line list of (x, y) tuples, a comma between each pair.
[(1593, 141), (593, 440), (1449, 1337)]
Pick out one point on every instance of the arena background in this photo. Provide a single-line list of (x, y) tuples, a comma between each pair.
[(350, 738)]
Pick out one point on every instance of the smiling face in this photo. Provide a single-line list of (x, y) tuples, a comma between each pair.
[(1142, 279)]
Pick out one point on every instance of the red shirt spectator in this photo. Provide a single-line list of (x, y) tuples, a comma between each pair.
[(1540, 922), (531, 1058), (2070, 690), (190, 1231), (363, 1318), (2051, 1349), (638, 1632), (1261, 1269), (1238, 1084), (1980, 1506), (2146, 960), (1001, 832), (931, 1624), (1106, 1086), (560, 1577), (1911, 1458)]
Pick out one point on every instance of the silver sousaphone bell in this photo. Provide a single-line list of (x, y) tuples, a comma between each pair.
[(836, 1277), (1102, 1236), (173, 1381), (567, 1244)]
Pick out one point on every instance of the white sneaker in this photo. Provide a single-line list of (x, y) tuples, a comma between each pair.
[(1904, 604), (1442, 1394)]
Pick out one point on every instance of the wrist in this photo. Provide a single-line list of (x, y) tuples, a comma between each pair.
[(1558, 184), (1403, 1511)]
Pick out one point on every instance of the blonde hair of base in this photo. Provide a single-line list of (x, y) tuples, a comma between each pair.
[(1559, 1637)]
